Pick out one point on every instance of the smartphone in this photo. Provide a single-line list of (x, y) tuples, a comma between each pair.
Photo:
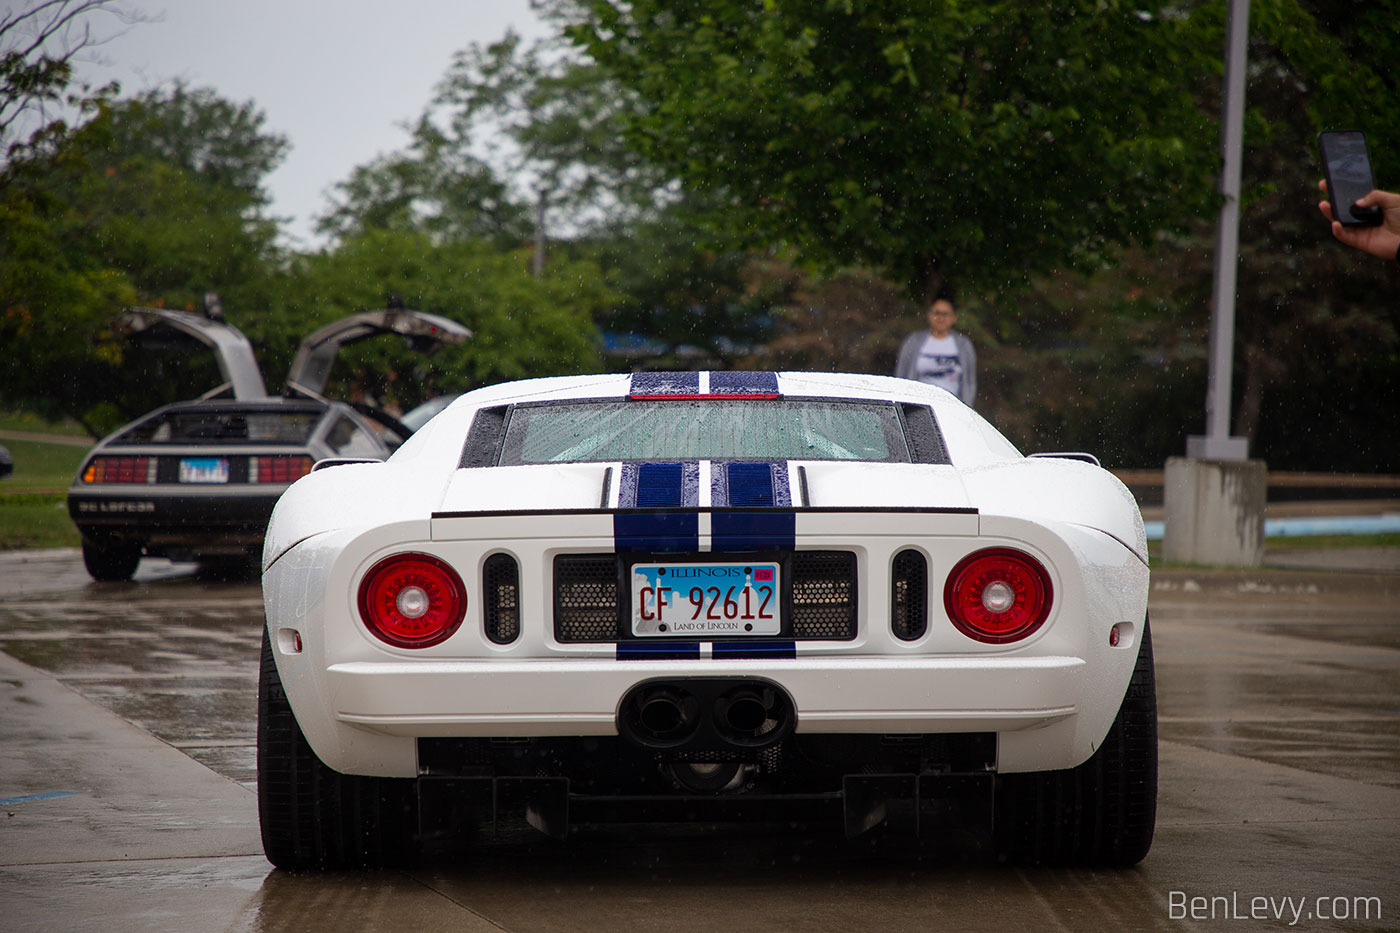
[(1348, 168)]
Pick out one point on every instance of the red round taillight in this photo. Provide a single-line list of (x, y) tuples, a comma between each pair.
[(998, 595), (412, 600)]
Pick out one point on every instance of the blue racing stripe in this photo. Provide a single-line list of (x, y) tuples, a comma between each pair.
[(754, 649), (666, 384), (656, 531), (743, 383), (658, 650), (657, 486), (753, 531), (748, 484), (660, 485)]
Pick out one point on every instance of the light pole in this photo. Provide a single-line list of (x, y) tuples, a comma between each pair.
[(1214, 497), (1217, 444)]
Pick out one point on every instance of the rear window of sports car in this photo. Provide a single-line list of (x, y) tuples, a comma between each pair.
[(218, 425), (703, 429)]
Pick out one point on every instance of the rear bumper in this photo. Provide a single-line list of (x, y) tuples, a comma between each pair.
[(375, 712), (217, 517), (581, 697)]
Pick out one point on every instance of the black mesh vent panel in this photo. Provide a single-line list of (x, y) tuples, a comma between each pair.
[(823, 594), (585, 597), (909, 595), (500, 584)]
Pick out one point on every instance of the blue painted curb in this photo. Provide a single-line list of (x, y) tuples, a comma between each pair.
[(28, 797), (1304, 527)]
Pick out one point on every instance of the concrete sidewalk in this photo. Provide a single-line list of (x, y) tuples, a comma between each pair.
[(97, 815)]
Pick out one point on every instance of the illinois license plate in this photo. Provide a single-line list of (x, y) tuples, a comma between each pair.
[(701, 600), (203, 470)]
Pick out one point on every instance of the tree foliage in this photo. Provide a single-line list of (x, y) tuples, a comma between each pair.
[(436, 187), (511, 121), (1117, 363), (1318, 324), (770, 184), (524, 326), (1012, 149), (37, 45), (153, 200), (223, 145), (972, 142), (558, 118), (158, 199)]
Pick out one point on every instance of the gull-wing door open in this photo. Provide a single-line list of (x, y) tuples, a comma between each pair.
[(163, 329), (425, 333)]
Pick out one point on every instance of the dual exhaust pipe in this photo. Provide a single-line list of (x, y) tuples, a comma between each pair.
[(703, 714)]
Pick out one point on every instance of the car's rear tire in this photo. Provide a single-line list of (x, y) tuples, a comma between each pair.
[(110, 563), (311, 816), (1102, 812)]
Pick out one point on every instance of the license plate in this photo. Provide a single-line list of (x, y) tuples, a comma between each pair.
[(719, 599), (203, 470)]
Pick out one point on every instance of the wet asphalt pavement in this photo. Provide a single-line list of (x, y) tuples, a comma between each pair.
[(126, 787)]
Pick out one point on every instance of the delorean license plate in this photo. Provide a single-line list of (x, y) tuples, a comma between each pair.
[(705, 600), (203, 470)]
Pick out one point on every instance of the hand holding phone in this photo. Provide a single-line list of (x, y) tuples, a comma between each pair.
[(1383, 240), (1347, 163)]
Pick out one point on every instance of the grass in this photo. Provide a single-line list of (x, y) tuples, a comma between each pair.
[(21, 421), (40, 468), (25, 525), (33, 513)]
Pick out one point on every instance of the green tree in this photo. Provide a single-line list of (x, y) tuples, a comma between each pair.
[(1116, 363), (174, 198), (1318, 324), (1014, 149), (524, 326), (53, 303), (222, 144), (678, 290), (975, 143), (123, 209), (437, 187), (563, 116), (682, 301)]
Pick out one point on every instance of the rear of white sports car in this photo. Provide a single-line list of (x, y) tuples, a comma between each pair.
[(706, 596)]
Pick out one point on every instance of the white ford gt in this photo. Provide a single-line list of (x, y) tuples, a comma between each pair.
[(715, 595)]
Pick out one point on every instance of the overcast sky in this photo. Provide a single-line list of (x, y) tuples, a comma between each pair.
[(338, 78)]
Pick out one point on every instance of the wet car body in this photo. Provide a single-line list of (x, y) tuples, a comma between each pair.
[(674, 596), (197, 480)]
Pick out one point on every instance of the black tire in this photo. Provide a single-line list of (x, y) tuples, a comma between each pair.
[(311, 816), (1102, 812), (112, 563)]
